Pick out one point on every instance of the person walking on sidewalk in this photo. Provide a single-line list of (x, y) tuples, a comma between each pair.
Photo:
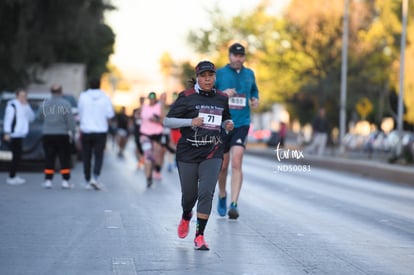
[(95, 111), (239, 83), (203, 116), (17, 118), (320, 127), (58, 133)]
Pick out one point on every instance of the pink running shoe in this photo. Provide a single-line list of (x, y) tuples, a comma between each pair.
[(183, 228), (157, 176), (200, 244)]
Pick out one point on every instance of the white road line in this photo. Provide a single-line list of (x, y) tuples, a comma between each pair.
[(123, 266), (113, 220)]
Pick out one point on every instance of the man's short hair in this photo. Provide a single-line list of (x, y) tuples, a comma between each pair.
[(95, 83), (56, 89)]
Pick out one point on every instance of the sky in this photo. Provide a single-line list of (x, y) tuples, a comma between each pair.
[(146, 29)]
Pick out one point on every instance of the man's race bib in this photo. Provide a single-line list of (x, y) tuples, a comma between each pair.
[(212, 118), (237, 102)]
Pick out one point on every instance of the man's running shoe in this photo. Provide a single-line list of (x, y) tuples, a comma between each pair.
[(222, 206), (183, 228), (233, 212), (200, 244)]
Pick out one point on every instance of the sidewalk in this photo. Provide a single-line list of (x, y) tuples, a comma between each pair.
[(376, 168)]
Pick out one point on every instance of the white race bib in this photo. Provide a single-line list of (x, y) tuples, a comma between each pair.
[(237, 102), (212, 118)]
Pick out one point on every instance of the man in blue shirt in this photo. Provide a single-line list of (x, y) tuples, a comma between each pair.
[(239, 83)]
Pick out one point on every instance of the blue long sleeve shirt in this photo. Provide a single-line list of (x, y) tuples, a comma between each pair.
[(244, 82)]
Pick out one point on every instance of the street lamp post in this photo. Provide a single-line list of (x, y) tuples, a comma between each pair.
[(344, 68), (400, 112), (402, 66)]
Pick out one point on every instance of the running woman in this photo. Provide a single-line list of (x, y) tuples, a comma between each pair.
[(203, 116)]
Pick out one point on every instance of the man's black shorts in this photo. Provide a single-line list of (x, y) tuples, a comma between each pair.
[(237, 137)]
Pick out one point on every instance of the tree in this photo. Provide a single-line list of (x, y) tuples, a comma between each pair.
[(297, 57), (373, 30), (42, 32), (268, 49)]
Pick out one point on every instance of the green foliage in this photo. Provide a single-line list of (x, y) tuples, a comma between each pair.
[(297, 56), (46, 31), (187, 74), (268, 48)]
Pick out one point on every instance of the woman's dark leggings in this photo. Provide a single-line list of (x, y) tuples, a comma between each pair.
[(198, 182)]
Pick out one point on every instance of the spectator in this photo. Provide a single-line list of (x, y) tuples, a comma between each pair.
[(282, 133), (17, 117), (95, 111), (58, 133), (320, 126)]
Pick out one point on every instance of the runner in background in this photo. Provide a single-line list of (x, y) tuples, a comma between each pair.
[(151, 133), (137, 133), (122, 130), (239, 83)]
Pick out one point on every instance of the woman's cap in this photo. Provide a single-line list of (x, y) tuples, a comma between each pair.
[(205, 66)]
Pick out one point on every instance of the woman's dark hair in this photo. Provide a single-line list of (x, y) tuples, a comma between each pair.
[(191, 82)]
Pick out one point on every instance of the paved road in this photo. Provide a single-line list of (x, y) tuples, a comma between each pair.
[(309, 222), (360, 164)]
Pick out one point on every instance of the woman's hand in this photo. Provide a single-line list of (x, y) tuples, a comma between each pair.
[(229, 126), (230, 92), (197, 121)]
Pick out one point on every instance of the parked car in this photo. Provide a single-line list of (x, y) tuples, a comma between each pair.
[(32, 144)]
